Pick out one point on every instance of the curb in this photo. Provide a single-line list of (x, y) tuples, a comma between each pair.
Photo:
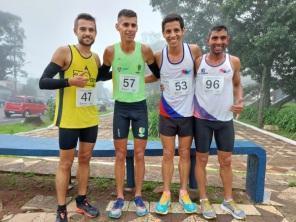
[(285, 139)]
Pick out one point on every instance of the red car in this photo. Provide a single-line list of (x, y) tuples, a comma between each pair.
[(25, 105)]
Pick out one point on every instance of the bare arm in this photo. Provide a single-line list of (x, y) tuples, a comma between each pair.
[(237, 86), (195, 51), (108, 55)]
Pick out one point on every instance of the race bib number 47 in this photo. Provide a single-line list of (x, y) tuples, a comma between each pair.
[(85, 97), (129, 83), (213, 84)]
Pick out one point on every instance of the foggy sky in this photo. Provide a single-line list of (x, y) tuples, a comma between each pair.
[(48, 24)]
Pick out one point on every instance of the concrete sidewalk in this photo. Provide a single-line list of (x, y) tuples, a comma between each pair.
[(281, 169)]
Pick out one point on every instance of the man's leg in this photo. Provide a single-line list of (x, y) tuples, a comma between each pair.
[(84, 156), (168, 143), (224, 159), (119, 169), (63, 174), (184, 168), (200, 173), (184, 160), (139, 152), (203, 136)]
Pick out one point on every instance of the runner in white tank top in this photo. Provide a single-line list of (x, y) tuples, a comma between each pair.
[(214, 90), (176, 108), (178, 80), (218, 94)]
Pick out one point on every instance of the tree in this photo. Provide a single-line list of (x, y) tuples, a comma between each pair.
[(11, 46), (263, 36)]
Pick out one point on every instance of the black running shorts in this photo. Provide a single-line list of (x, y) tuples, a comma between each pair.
[(68, 138), (134, 114), (182, 126), (222, 131)]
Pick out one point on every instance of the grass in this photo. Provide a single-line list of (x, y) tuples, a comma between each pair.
[(13, 128), (292, 184)]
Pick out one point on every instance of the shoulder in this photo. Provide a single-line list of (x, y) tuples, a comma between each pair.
[(63, 50), (109, 49), (195, 50), (97, 58), (62, 56), (235, 62), (145, 49)]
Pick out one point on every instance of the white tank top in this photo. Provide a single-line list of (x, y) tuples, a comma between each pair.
[(214, 91), (178, 80)]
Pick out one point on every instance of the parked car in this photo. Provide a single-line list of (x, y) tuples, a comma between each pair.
[(25, 105)]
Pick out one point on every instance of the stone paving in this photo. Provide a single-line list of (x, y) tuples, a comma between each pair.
[(281, 169)]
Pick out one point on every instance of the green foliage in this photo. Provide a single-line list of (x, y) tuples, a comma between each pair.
[(51, 108), (20, 127), (286, 118), (11, 45), (153, 118)]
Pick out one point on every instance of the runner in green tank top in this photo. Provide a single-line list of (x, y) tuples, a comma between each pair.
[(127, 59)]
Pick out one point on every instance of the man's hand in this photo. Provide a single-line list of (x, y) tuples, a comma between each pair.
[(238, 107), (79, 81)]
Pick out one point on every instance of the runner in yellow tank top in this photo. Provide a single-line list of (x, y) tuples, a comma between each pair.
[(76, 114)]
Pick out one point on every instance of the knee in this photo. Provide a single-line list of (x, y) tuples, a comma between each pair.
[(184, 154), (225, 162), (84, 158), (202, 161), (120, 155), (139, 155), (65, 165), (168, 156)]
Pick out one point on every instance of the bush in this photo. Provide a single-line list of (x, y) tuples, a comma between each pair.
[(286, 118), (153, 118)]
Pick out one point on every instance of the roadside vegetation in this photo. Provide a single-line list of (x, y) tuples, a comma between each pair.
[(283, 118)]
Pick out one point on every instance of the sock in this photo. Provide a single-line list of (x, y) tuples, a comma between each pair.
[(61, 208), (183, 192), (80, 199), (167, 192)]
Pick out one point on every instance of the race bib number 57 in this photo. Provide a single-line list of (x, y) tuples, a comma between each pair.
[(85, 97), (129, 83)]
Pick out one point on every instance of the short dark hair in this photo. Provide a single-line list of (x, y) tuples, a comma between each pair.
[(217, 28), (84, 16), (172, 17), (127, 13)]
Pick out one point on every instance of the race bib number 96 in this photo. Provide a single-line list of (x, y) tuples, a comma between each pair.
[(213, 84), (85, 97), (129, 83)]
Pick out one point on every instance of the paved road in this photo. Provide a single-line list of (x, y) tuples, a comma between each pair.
[(13, 119)]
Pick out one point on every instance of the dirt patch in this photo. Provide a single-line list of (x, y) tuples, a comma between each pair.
[(19, 188)]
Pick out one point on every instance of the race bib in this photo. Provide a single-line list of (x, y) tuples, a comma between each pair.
[(85, 97), (213, 84), (129, 83), (180, 86)]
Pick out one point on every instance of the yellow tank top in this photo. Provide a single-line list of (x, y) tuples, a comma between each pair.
[(69, 112)]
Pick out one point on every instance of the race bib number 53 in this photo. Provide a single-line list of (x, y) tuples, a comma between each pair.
[(180, 86), (85, 97), (129, 83)]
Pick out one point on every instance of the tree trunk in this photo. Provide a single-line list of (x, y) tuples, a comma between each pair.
[(264, 101)]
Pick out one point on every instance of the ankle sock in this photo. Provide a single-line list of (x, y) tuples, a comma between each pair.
[(80, 199)]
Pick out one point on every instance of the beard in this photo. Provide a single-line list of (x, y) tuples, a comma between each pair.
[(86, 43)]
